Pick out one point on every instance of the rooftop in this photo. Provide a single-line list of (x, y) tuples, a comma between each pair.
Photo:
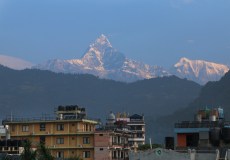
[(10, 119), (203, 124)]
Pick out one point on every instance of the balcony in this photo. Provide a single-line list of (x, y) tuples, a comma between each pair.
[(137, 139)]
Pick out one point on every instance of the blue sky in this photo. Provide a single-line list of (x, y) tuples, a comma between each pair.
[(156, 32)]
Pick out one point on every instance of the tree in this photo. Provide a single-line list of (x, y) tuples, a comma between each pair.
[(28, 153), (44, 153)]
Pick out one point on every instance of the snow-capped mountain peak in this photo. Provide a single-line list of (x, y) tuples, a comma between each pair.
[(199, 70), (102, 60), (101, 43)]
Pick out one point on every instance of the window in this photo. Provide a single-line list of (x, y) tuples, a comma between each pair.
[(114, 154), (101, 149), (60, 154), (42, 139), (60, 140), (122, 154), (100, 134), (60, 127), (25, 128), (115, 140), (86, 154), (139, 135), (86, 140), (42, 127)]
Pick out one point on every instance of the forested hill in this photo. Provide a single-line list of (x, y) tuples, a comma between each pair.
[(213, 94), (33, 92)]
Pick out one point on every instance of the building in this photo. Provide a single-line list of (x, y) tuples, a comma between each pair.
[(68, 134), (111, 145), (137, 126), (204, 132), (111, 140), (118, 136)]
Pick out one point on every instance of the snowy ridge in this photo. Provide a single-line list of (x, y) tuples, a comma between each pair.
[(198, 70), (14, 63), (102, 60)]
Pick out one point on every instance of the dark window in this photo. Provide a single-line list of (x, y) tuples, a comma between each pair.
[(114, 154), (60, 127), (101, 149), (86, 154), (139, 135), (100, 134), (42, 127), (60, 154), (122, 154), (42, 139)]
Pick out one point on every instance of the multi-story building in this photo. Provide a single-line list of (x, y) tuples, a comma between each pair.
[(111, 140), (111, 145), (69, 134), (121, 133), (137, 126)]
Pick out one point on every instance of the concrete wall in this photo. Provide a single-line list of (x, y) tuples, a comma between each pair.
[(163, 154), (158, 154)]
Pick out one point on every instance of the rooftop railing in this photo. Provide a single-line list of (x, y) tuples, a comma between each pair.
[(196, 124), (45, 119)]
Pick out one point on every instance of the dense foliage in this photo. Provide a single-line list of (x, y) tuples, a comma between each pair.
[(147, 146)]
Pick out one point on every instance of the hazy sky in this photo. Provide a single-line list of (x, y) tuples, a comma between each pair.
[(157, 32)]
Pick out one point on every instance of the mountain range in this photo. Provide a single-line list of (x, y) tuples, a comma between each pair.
[(104, 61), (33, 92)]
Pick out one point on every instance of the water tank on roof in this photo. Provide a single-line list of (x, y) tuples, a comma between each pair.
[(212, 118), (226, 134), (214, 135), (198, 117)]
